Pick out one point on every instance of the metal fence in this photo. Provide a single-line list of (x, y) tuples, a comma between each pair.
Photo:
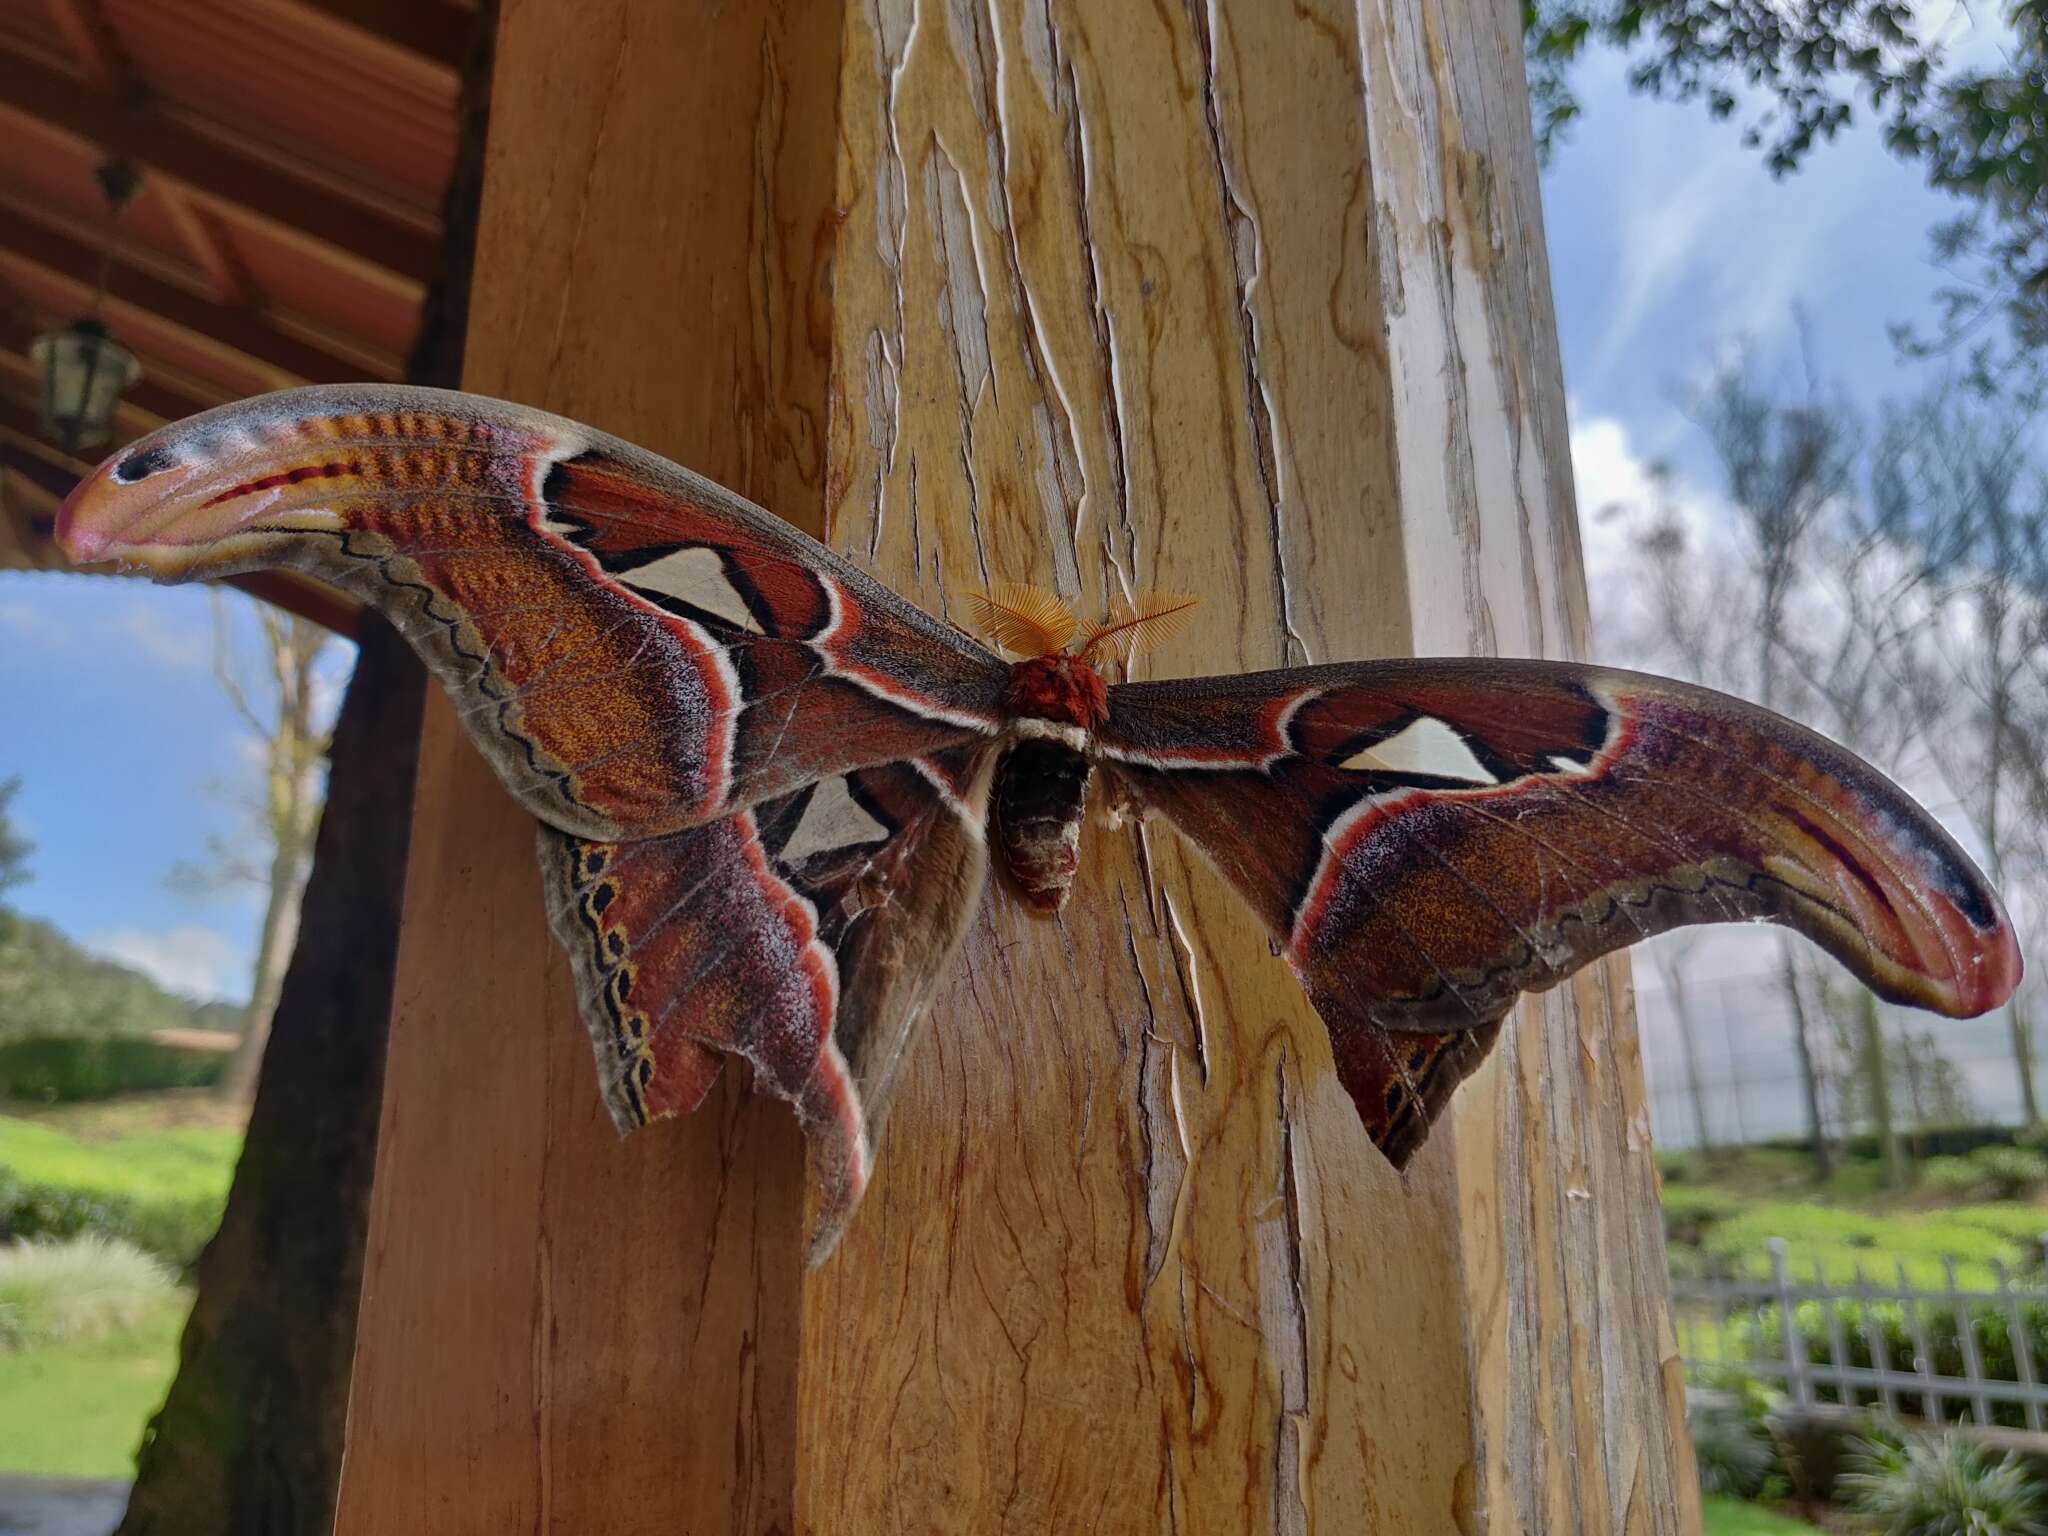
[(1762, 1326)]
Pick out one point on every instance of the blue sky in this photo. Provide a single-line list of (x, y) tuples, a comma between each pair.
[(131, 760), (1669, 244), (1668, 241)]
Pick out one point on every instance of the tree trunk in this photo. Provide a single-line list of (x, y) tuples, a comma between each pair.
[(280, 931), (1809, 1069), (2020, 1032), (1671, 966), (1248, 301), (1878, 1084), (250, 1440)]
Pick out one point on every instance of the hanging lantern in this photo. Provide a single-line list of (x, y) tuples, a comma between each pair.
[(84, 370)]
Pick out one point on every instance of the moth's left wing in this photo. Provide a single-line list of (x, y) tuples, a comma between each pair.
[(804, 935), (1428, 839), (634, 649)]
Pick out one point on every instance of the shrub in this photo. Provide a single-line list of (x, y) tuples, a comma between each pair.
[(1953, 1176), (53, 1069), (1678, 1167), (1759, 1400), (76, 1288), (1692, 1211), (1735, 1455), (174, 1230), (2012, 1171), (162, 1191), (1943, 1485), (1840, 1242)]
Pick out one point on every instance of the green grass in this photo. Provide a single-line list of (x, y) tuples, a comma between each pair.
[(93, 1357), (1840, 1242), (78, 1409), (176, 1163), (129, 1171), (1732, 1517)]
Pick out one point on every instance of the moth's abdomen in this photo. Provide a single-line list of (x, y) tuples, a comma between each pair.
[(1041, 788)]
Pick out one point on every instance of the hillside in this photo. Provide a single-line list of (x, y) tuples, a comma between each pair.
[(50, 986)]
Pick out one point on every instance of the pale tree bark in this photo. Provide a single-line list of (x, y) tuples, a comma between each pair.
[(1245, 300), (294, 756)]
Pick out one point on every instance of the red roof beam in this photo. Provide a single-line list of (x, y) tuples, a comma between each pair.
[(25, 240), (225, 172)]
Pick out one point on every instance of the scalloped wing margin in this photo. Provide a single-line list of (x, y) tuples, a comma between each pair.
[(806, 936)]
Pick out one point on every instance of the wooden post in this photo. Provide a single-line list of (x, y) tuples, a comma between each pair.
[(1244, 300), (560, 1331)]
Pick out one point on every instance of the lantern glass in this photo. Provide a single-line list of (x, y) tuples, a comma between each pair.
[(84, 371)]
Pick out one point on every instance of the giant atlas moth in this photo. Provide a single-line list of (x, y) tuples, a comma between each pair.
[(766, 786)]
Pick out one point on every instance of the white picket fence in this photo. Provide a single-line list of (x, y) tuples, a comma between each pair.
[(1718, 1316)]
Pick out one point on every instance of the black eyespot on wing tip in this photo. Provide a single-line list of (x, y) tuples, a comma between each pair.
[(143, 463)]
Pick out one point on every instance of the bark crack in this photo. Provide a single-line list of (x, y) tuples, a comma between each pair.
[(1283, 1322), (1241, 235)]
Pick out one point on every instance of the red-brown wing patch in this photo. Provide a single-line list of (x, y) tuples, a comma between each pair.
[(635, 649), (1430, 839), (803, 936)]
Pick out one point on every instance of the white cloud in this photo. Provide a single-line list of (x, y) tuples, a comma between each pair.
[(1617, 490), (189, 959), (31, 620), (1608, 470), (165, 637)]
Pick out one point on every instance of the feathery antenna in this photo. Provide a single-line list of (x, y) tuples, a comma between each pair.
[(1153, 619), (1027, 620)]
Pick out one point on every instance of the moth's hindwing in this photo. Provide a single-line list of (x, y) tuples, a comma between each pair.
[(804, 935)]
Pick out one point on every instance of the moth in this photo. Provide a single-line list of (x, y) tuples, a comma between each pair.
[(767, 789)]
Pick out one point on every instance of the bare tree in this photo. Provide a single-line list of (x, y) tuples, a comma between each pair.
[(283, 714), (1953, 481), (1671, 957), (1731, 616)]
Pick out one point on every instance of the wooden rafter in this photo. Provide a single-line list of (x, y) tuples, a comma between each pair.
[(233, 175), (91, 41), (28, 454), (202, 239), (433, 29), (26, 239)]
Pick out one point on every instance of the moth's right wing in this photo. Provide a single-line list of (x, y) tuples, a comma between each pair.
[(1429, 839)]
